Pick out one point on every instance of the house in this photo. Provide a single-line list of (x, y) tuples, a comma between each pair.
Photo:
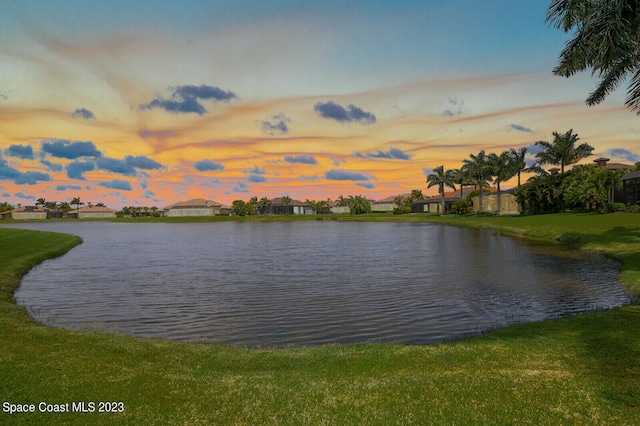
[(508, 203), (630, 193), (603, 163), (292, 207), (93, 212), (387, 204), (335, 208), (434, 204), (28, 213), (196, 207)]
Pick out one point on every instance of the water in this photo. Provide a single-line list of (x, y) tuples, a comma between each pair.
[(308, 283)]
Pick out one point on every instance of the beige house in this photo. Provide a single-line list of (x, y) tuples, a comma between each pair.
[(28, 213), (91, 212), (387, 204), (196, 207)]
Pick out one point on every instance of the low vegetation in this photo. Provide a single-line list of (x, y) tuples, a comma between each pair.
[(577, 370)]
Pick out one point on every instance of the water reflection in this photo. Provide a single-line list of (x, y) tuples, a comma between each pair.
[(296, 283)]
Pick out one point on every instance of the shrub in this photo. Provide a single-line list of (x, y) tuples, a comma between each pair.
[(632, 209), (612, 207), (462, 206)]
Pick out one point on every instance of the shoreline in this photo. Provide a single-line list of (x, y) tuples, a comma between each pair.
[(583, 369)]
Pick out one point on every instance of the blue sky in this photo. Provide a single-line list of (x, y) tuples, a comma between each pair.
[(316, 95)]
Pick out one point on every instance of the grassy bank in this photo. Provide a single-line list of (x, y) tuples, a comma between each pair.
[(579, 370)]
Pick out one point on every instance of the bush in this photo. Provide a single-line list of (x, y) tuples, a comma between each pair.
[(462, 206), (632, 209), (612, 207)]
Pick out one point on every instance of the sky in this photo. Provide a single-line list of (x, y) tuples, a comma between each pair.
[(147, 103)]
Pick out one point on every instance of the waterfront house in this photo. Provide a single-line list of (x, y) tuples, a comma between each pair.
[(196, 207), (94, 212), (387, 204), (28, 213), (630, 193), (508, 203), (292, 207), (335, 208), (434, 204)]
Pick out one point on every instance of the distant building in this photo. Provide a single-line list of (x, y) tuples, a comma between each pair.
[(196, 207), (93, 212), (387, 204), (630, 193), (292, 207), (28, 213), (603, 163)]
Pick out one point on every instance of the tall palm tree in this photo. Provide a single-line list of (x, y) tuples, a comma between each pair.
[(563, 150), (461, 177), (416, 194), (264, 203), (478, 170), (502, 170), (605, 39), (65, 208), (442, 179), (286, 200), (517, 161), (41, 202), (76, 202)]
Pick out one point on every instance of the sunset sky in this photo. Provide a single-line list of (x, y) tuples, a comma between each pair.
[(148, 103)]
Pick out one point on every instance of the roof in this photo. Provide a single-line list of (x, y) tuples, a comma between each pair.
[(632, 175), (28, 209), (391, 199), (278, 202), (95, 209), (618, 166), (196, 203)]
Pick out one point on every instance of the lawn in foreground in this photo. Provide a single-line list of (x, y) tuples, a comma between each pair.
[(579, 370)]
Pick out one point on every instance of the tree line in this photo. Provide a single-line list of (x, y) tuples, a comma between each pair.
[(549, 191)]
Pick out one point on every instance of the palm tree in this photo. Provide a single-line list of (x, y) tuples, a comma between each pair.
[(76, 202), (563, 150), (286, 200), (441, 178), (461, 177), (263, 204), (517, 161), (100, 204), (605, 39), (5, 207), (416, 194), (479, 172), (41, 202), (502, 170), (65, 208), (359, 204)]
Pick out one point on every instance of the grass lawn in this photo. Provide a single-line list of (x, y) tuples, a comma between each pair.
[(578, 370)]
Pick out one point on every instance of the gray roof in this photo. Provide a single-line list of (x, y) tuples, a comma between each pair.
[(632, 175)]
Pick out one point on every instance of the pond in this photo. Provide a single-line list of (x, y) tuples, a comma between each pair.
[(308, 283)]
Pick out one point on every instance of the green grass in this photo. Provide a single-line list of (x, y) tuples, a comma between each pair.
[(578, 370)]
